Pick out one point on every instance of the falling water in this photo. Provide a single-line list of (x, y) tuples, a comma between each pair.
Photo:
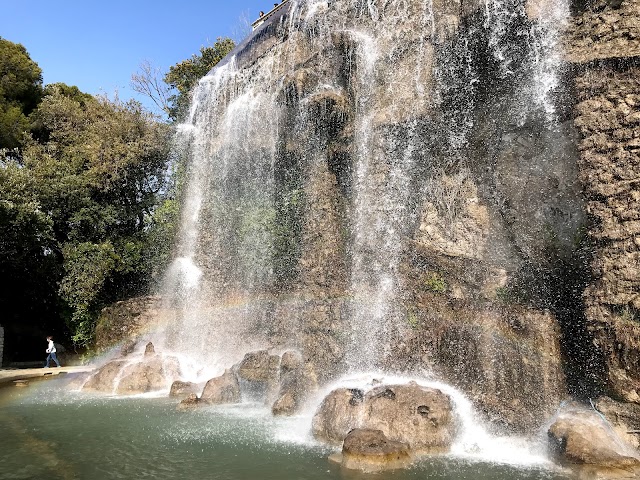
[(249, 131)]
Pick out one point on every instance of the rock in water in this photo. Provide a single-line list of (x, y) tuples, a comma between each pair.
[(143, 377), (222, 389), (103, 380), (418, 416), (259, 366), (259, 372), (181, 389), (582, 438), (149, 350), (371, 451), (297, 381), (189, 403), (338, 414)]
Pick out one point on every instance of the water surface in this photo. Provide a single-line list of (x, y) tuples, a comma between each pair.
[(48, 432)]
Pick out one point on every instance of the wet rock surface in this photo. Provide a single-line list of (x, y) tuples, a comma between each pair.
[(148, 373), (371, 451), (104, 379), (190, 403), (418, 416), (625, 418), (297, 382), (582, 438), (222, 389), (182, 389), (142, 377)]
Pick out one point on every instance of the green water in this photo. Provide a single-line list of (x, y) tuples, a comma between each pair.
[(50, 433)]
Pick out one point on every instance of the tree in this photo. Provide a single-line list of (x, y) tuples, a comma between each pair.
[(20, 92), (82, 198), (181, 78), (148, 81)]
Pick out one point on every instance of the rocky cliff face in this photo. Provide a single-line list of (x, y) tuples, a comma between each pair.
[(408, 186), (604, 44)]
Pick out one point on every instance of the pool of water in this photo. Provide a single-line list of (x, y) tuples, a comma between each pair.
[(50, 432)]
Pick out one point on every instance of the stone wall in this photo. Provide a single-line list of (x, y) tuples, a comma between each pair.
[(607, 114), (606, 29)]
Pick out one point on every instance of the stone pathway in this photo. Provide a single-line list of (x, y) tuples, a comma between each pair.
[(11, 375)]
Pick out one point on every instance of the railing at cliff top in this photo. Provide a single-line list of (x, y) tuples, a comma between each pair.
[(270, 13), (263, 28)]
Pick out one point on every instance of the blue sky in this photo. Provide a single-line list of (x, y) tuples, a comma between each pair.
[(98, 45)]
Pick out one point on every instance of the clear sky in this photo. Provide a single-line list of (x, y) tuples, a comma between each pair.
[(98, 45)]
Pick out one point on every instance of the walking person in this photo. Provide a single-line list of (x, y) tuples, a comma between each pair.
[(51, 350)]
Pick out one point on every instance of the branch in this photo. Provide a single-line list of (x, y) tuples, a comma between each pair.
[(148, 81)]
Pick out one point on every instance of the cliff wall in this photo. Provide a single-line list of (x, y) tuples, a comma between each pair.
[(429, 188), (604, 44)]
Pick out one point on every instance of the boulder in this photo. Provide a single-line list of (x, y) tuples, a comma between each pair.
[(182, 389), (418, 416), (143, 377), (338, 414), (421, 417), (259, 367), (104, 379), (297, 381), (290, 361), (222, 389), (149, 350), (371, 451), (259, 372), (189, 403), (285, 405), (581, 437)]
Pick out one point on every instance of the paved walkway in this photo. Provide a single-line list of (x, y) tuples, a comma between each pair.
[(9, 375)]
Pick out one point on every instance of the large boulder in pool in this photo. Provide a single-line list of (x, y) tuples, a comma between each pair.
[(182, 389), (297, 381), (153, 373), (338, 414), (259, 373), (259, 366), (371, 451), (104, 379), (419, 416), (222, 389), (143, 377), (581, 438)]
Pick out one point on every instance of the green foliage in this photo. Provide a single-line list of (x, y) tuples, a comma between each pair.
[(87, 266), (185, 75), (83, 198), (163, 226), (435, 282), (628, 314), (505, 295), (20, 92), (412, 319)]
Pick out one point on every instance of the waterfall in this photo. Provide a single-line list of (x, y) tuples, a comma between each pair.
[(407, 79)]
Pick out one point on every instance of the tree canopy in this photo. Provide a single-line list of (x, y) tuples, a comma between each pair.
[(20, 92), (89, 194), (172, 93), (81, 202)]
